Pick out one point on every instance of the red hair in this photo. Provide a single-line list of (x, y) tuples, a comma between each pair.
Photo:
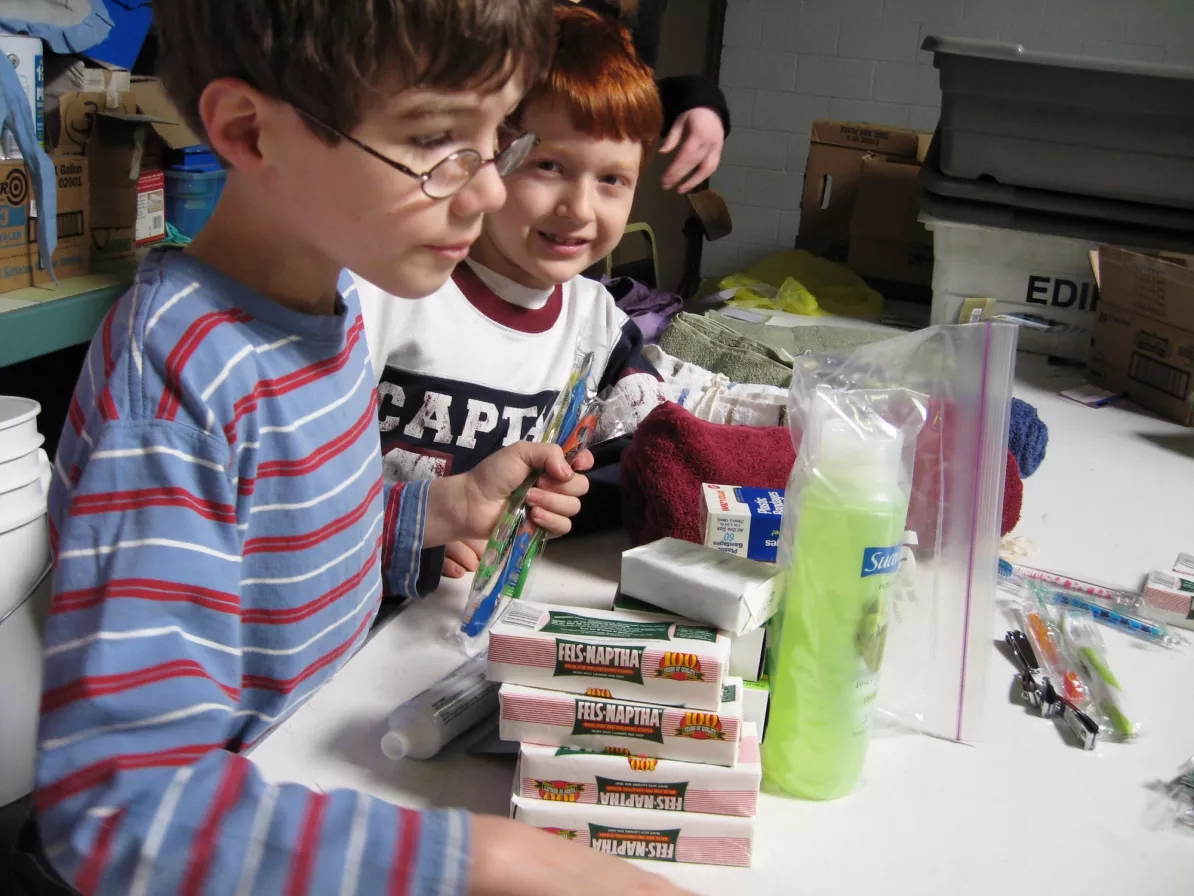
[(598, 79)]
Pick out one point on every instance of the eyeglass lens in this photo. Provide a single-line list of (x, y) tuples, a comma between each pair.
[(451, 175)]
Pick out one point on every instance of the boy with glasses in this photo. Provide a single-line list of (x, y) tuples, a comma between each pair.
[(218, 518)]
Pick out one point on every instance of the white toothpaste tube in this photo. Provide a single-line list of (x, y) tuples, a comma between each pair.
[(617, 779), (1170, 598), (702, 583), (742, 520), (687, 837), (628, 656), (598, 722)]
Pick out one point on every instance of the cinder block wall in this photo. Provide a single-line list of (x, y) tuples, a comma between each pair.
[(787, 63)]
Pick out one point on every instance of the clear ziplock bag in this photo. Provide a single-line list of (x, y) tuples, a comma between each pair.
[(946, 392)]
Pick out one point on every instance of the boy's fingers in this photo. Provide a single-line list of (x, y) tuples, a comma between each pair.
[(463, 555), (554, 502), (577, 486), (454, 570), (583, 461), (554, 524), (546, 457)]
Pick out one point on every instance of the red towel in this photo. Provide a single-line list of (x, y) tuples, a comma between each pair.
[(673, 453)]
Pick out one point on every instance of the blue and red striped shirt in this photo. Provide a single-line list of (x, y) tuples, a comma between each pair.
[(221, 531)]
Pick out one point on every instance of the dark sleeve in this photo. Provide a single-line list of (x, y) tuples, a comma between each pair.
[(685, 92), (627, 358)]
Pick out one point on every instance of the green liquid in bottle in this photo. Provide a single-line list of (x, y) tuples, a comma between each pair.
[(834, 617)]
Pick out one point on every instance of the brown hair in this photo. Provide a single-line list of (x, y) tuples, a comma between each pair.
[(332, 59), (598, 79)]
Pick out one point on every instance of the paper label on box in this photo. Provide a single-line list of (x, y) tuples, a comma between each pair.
[(607, 653), (620, 719), (151, 207), (743, 521), (598, 722), (632, 795), (642, 833), (628, 843)]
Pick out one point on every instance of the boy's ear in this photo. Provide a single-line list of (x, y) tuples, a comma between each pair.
[(236, 117)]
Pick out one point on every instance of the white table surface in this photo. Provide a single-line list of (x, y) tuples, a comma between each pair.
[(1022, 811)]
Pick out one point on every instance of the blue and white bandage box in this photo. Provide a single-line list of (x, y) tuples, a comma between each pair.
[(741, 520)]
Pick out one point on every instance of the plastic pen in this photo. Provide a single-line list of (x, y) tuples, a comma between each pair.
[(1153, 632), (1120, 596)]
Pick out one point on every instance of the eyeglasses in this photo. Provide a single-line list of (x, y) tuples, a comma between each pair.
[(452, 174)]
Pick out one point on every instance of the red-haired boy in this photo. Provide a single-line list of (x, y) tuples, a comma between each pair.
[(474, 367)]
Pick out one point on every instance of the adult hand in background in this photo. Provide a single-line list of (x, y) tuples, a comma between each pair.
[(697, 138)]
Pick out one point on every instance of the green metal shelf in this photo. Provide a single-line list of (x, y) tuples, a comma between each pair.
[(43, 319)]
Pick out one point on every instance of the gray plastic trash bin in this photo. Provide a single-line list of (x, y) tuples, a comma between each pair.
[(1096, 127)]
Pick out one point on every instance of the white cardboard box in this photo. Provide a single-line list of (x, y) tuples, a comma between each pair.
[(630, 656), (644, 833), (597, 722), (564, 774), (702, 583), (26, 55)]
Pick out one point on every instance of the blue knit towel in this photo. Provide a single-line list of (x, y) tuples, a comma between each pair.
[(1028, 438)]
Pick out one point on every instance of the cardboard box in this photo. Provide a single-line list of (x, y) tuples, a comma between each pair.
[(16, 189), (747, 652), (1143, 341), (643, 833), (72, 255), (887, 242), (74, 74), (622, 780), (15, 270), (1170, 598), (622, 654), (26, 55), (836, 153), (596, 721), (742, 521), (127, 177), (756, 700), (707, 584)]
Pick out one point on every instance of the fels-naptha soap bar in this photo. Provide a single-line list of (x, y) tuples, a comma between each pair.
[(630, 656), (643, 833), (617, 779), (595, 721)]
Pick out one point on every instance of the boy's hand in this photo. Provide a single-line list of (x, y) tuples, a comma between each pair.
[(462, 558), (468, 506), (510, 858)]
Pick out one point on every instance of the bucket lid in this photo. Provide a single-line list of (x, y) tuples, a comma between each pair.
[(15, 410)]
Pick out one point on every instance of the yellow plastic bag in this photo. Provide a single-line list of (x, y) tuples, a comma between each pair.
[(799, 282), (791, 296)]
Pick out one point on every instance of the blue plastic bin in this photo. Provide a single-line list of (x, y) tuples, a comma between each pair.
[(191, 197)]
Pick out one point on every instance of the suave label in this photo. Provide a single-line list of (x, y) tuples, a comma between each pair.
[(880, 561)]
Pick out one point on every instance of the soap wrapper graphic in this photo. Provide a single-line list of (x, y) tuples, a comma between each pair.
[(590, 722), (628, 655), (643, 833), (613, 778)]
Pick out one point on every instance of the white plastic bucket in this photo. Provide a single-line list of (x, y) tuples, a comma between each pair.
[(1025, 273), (22, 468), (18, 426), (21, 502), (24, 602)]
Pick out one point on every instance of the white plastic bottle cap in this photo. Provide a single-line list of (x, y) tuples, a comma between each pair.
[(395, 745), (844, 447)]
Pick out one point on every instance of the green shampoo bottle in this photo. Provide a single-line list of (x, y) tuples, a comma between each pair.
[(834, 614)]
